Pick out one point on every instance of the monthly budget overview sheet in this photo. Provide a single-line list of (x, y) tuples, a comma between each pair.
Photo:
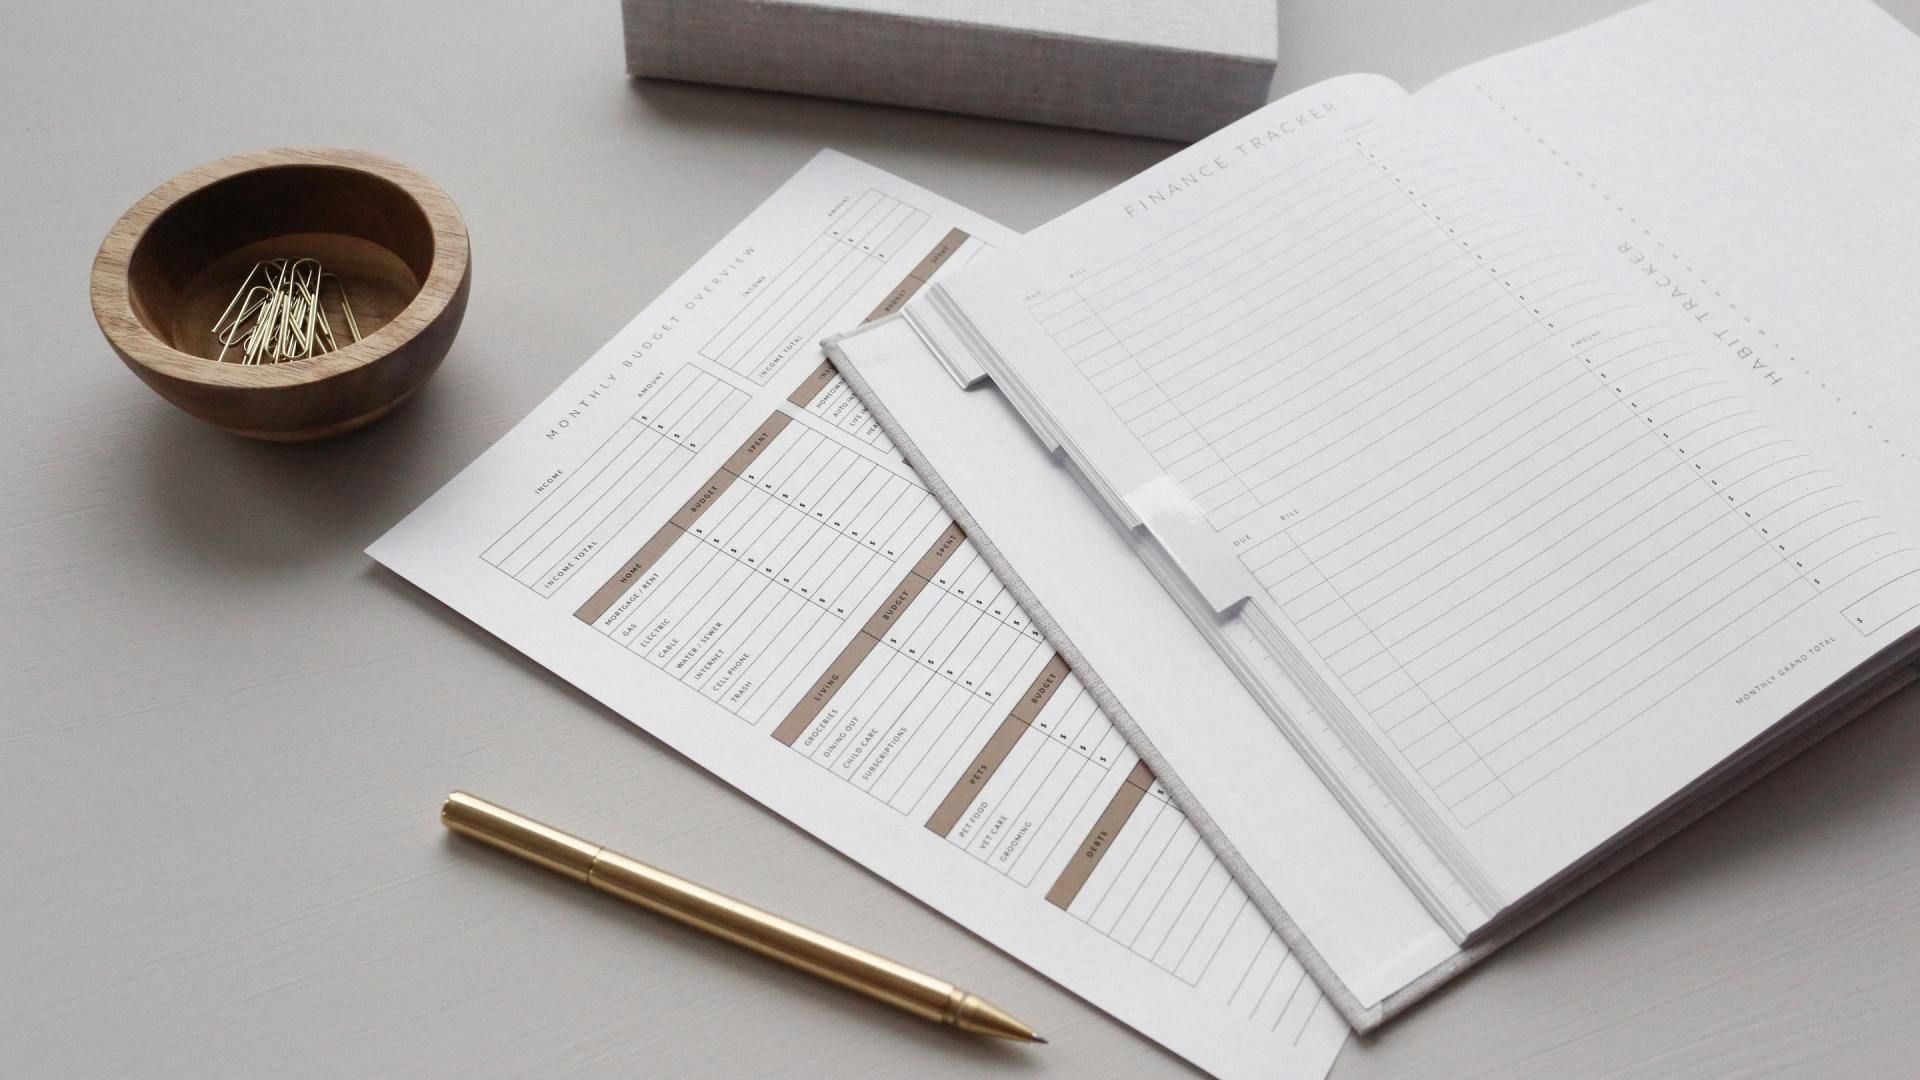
[(705, 530)]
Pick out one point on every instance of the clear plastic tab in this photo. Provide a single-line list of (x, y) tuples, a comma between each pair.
[(1177, 525), (934, 321)]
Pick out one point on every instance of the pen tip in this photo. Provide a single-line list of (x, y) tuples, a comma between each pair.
[(1037, 1039)]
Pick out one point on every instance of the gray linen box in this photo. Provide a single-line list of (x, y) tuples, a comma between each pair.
[(1172, 69)]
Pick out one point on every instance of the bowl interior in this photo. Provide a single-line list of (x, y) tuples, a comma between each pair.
[(188, 265)]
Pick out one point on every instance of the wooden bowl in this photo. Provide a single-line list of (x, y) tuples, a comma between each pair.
[(169, 266)]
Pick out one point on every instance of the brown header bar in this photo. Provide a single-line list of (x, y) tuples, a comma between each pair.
[(1041, 691), (730, 470), (683, 519), (811, 387), (762, 438), (1099, 838), (947, 814), (943, 548), (985, 764), (702, 500), (938, 257), (823, 689), (895, 300), (623, 579), (889, 613), (877, 624), (818, 379), (919, 275)]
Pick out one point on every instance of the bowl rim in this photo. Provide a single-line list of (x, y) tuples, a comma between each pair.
[(113, 304)]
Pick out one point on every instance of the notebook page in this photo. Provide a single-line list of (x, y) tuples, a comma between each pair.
[(1472, 485), (1751, 166), (704, 530)]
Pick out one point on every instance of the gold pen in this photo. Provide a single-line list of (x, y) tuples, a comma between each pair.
[(724, 917)]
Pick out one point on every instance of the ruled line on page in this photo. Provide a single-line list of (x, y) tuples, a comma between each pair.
[(1462, 503)]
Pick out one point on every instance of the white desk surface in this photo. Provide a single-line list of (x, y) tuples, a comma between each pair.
[(224, 733)]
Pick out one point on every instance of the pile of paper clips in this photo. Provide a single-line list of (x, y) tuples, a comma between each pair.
[(279, 313)]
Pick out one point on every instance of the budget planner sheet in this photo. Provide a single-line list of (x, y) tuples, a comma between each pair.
[(704, 529)]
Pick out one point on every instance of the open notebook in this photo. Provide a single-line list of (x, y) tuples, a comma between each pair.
[(1462, 489)]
